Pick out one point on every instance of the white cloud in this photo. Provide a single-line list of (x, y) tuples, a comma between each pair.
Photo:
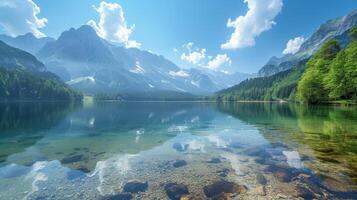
[(218, 61), (112, 25), (180, 73), (195, 56), (258, 19), (198, 57), (20, 16), (293, 45)]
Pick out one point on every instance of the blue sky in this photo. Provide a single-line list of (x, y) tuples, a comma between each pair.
[(164, 25)]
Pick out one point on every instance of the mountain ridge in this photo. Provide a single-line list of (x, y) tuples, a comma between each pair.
[(334, 28), (27, 42), (91, 64)]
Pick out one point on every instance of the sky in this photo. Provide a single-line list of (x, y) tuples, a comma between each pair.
[(229, 35)]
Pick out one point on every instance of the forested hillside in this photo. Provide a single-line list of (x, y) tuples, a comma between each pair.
[(281, 86), (329, 75), (23, 77)]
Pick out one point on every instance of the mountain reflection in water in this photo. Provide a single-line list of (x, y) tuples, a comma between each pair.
[(96, 151)]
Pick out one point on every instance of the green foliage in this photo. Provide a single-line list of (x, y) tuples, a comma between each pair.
[(353, 33), (280, 86), (21, 85), (330, 74), (341, 81)]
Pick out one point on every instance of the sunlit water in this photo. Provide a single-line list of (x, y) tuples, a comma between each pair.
[(218, 151)]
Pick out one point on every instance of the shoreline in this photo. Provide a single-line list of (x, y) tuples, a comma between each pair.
[(336, 103)]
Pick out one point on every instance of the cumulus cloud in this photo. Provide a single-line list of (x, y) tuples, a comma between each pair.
[(218, 61), (259, 18), (198, 57), (294, 45), (112, 25), (20, 16), (194, 56)]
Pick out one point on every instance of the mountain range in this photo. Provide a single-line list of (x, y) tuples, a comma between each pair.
[(27, 42), (92, 65), (336, 28)]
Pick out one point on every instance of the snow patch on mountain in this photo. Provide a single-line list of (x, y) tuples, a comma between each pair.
[(137, 69)]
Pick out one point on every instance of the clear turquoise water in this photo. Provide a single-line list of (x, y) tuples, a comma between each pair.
[(90, 151)]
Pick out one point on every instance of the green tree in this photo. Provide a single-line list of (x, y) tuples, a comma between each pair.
[(341, 80), (311, 87)]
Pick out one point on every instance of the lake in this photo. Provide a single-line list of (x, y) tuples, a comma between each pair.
[(177, 150)]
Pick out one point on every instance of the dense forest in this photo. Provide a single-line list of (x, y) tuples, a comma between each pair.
[(329, 75), (23, 77), (21, 85)]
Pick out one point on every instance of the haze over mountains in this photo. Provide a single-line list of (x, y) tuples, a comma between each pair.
[(23, 77), (92, 65), (336, 28)]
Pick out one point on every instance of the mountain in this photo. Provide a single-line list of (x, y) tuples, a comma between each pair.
[(330, 74), (93, 65), (27, 42), (23, 77), (335, 28)]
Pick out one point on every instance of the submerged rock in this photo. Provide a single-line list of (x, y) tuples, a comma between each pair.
[(261, 179), (176, 191), (71, 159), (180, 147), (283, 174), (179, 163), (334, 185), (135, 186), (222, 196), (304, 193), (216, 189), (120, 196), (214, 161), (257, 151)]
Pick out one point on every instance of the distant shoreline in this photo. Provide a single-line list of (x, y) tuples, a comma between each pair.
[(337, 103)]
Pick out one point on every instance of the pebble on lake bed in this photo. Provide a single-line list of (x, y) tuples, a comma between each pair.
[(135, 186), (120, 196), (179, 163)]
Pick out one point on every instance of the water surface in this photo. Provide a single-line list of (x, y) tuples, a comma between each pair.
[(207, 150)]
